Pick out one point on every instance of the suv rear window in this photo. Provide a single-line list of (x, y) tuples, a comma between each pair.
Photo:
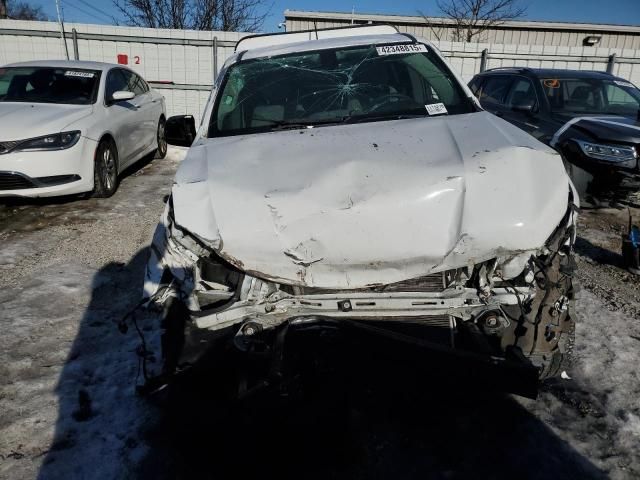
[(332, 86)]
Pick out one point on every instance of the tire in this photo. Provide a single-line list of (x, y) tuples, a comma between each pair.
[(161, 151), (105, 171)]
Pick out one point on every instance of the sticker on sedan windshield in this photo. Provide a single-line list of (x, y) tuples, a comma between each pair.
[(401, 49), (74, 73), (623, 84), (436, 109)]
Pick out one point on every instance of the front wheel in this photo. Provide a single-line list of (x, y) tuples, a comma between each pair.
[(161, 139), (105, 172)]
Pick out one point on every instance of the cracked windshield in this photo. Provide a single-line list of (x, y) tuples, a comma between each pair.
[(331, 86)]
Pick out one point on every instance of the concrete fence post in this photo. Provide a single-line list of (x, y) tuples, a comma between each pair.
[(74, 36), (611, 63), (215, 59), (483, 60)]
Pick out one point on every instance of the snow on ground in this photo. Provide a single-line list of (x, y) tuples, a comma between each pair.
[(70, 269), (67, 403), (597, 411)]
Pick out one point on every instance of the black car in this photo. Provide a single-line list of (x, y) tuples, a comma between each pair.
[(591, 118)]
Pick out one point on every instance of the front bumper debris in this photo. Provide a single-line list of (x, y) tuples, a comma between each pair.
[(510, 317)]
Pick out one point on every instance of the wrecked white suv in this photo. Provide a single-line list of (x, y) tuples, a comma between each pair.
[(348, 178)]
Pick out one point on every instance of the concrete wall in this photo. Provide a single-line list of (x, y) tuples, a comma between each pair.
[(510, 33), (184, 57)]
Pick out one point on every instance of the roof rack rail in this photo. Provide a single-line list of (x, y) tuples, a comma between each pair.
[(279, 38), (507, 68)]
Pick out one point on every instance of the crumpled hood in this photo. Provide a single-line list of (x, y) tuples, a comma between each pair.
[(371, 203), (607, 128), (20, 120)]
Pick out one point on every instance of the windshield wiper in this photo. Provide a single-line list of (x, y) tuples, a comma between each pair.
[(276, 125), (286, 125), (375, 117), (283, 125)]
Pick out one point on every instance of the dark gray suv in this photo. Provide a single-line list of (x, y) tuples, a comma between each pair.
[(591, 118)]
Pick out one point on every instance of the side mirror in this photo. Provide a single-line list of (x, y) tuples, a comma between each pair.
[(523, 107), (180, 130), (122, 95)]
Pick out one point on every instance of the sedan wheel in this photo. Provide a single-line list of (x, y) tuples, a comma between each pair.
[(162, 140), (105, 170)]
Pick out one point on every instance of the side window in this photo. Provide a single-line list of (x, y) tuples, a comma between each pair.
[(495, 89), (620, 101), (522, 93), (129, 78), (474, 85), (137, 85), (116, 81), (582, 95), (616, 95)]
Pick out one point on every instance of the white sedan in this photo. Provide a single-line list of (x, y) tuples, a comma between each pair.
[(71, 127)]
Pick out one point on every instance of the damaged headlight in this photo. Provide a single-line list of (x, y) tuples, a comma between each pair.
[(217, 281), (608, 153), (201, 277), (517, 270)]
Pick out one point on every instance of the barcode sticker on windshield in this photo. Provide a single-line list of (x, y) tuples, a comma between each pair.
[(72, 73), (623, 84), (401, 49), (436, 109)]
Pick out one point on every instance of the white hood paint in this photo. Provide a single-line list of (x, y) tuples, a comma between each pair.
[(20, 120), (372, 203)]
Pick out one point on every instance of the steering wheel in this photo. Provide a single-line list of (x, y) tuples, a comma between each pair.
[(383, 100)]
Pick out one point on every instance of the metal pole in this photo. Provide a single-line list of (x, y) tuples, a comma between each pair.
[(215, 59), (76, 54), (64, 41), (611, 63), (483, 60)]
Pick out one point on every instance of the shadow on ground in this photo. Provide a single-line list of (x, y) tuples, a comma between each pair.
[(350, 415), (99, 415), (598, 254), (347, 429)]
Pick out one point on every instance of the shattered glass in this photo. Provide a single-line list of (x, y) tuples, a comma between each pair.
[(332, 86)]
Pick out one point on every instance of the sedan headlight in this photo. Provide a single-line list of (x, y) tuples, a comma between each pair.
[(56, 141), (608, 153)]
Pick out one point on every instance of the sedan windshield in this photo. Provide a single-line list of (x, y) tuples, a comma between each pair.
[(48, 85), (592, 96), (352, 84)]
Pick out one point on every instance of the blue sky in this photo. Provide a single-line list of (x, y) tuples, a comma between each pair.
[(625, 12)]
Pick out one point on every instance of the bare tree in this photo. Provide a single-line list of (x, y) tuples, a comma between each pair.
[(472, 17), (21, 11), (226, 15), (436, 28)]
